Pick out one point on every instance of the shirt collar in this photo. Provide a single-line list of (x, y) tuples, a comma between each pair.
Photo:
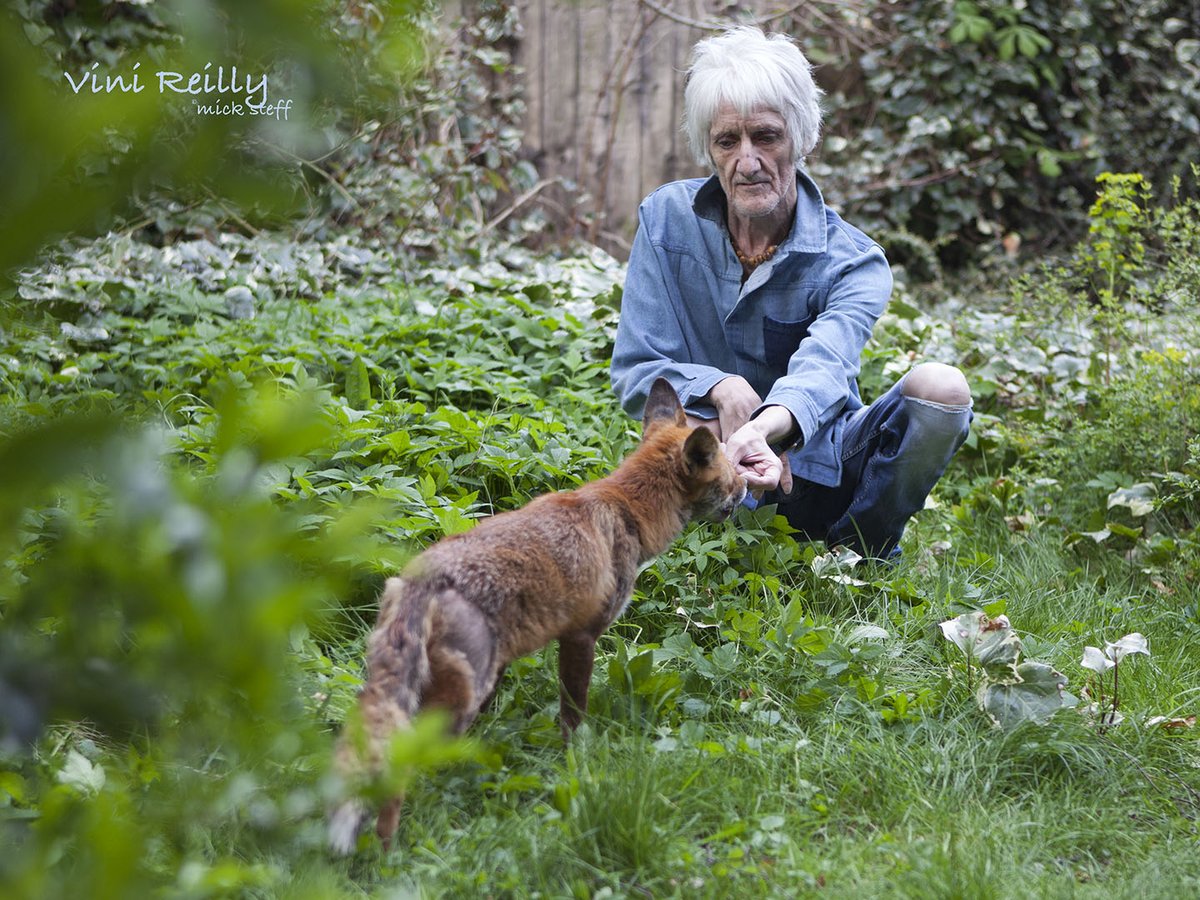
[(808, 233)]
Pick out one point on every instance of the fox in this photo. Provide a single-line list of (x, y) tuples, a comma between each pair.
[(560, 568)]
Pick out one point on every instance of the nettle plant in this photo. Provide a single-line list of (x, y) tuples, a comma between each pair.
[(1104, 708), (1010, 690)]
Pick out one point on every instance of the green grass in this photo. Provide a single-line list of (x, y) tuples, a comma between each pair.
[(942, 805), (838, 800)]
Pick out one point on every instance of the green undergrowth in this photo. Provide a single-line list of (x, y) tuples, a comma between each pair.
[(204, 488)]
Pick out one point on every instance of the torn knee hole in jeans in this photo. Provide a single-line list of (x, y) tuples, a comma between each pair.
[(954, 409)]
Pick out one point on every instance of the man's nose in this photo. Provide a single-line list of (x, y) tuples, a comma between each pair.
[(748, 159)]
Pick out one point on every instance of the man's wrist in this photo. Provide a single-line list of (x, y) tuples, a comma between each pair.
[(777, 426)]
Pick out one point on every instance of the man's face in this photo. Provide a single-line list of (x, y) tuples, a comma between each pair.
[(753, 155)]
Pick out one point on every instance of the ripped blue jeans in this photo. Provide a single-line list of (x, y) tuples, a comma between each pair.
[(893, 453)]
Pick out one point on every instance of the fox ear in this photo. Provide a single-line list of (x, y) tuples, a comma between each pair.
[(662, 406), (700, 450)]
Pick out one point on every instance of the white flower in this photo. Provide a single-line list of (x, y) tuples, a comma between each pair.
[(1131, 643), (1095, 660)]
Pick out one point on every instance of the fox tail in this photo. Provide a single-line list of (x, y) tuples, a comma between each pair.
[(397, 674)]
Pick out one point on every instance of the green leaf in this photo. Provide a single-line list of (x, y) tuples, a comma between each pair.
[(1037, 694), (1030, 43), (998, 650), (358, 384), (1048, 164), (452, 521), (1124, 530), (14, 785), (640, 668), (867, 633)]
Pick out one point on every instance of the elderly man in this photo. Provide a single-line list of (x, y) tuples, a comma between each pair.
[(755, 300)]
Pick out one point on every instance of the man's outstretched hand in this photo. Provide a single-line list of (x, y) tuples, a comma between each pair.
[(747, 441), (753, 458)]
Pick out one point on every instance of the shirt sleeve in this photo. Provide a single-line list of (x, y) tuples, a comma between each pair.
[(820, 372), (651, 341)]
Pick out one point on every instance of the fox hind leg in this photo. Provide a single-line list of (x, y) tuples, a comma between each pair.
[(462, 660), (576, 655)]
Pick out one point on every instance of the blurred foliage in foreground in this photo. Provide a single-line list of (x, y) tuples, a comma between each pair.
[(73, 161), (402, 137)]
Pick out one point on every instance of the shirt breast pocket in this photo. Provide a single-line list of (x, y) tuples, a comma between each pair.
[(780, 340)]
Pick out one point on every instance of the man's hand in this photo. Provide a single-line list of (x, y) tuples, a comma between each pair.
[(752, 458), (747, 443), (734, 399), (750, 452)]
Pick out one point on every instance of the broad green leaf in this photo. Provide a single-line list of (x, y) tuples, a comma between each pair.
[(358, 384), (640, 668), (867, 633), (998, 649), (1123, 530), (1037, 694), (13, 785), (452, 520)]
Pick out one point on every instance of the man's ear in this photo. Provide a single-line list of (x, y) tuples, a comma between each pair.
[(662, 407), (700, 450)]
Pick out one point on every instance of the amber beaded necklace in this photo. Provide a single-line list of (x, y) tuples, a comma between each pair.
[(752, 262)]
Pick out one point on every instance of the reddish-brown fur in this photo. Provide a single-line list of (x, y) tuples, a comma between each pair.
[(561, 568)]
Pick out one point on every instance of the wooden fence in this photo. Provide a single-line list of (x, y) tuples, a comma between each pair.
[(604, 94)]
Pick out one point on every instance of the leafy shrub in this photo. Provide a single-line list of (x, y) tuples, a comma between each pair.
[(963, 122), (1085, 380), (404, 164), (441, 171)]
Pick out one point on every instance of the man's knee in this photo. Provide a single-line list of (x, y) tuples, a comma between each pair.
[(937, 383)]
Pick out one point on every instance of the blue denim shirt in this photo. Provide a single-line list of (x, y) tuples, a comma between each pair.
[(795, 330)]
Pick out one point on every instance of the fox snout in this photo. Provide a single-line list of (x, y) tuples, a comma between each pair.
[(733, 501), (728, 500)]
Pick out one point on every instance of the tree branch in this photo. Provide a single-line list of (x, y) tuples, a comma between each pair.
[(519, 202)]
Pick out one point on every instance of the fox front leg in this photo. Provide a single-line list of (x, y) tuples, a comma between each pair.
[(576, 654)]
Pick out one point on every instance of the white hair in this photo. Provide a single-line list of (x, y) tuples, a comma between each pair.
[(751, 71)]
